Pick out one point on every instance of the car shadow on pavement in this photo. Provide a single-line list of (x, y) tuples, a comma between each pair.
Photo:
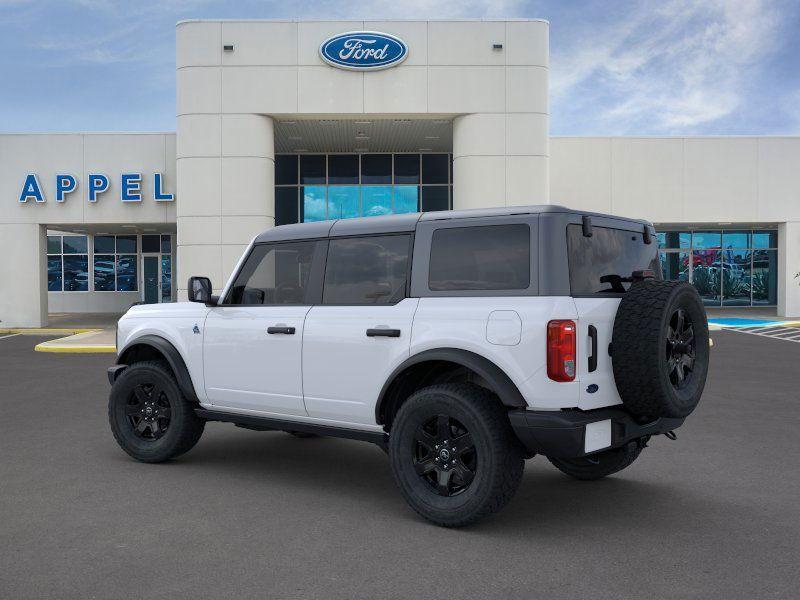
[(342, 471)]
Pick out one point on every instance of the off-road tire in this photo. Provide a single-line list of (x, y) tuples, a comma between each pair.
[(184, 427), (497, 455), (597, 466), (641, 350)]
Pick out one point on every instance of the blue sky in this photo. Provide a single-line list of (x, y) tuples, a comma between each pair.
[(672, 67)]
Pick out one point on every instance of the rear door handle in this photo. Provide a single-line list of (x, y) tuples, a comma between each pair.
[(383, 332), (593, 357), (281, 329)]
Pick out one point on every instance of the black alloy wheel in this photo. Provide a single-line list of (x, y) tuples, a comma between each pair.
[(680, 349), (453, 453), (149, 416), (444, 455), (148, 411)]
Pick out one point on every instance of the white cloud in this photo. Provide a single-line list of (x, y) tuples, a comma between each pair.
[(670, 69)]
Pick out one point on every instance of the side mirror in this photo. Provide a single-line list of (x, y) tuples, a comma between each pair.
[(200, 290)]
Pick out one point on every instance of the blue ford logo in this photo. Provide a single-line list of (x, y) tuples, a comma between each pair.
[(363, 50)]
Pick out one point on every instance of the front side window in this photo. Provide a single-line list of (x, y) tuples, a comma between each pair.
[(366, 270), (491, 257), (274, 274), (596, 261)]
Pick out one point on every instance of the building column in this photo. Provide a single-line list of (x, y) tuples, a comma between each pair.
[(24, 276), (226, 185), (788, 265), (500, 160)]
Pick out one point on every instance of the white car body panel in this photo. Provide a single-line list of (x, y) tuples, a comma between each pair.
[(343, 369), (175, 323), (248, 368), (599, 312), (462, 323)]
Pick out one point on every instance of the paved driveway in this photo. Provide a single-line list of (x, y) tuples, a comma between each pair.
[(247, 514)]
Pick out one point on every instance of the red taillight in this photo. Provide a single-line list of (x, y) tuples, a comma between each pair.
[(561, 350)]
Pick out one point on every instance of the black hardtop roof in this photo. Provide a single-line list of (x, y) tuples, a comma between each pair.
[(407, 222)]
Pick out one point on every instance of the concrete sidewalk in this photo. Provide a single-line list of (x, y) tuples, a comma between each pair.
[(86, 333), (98, 341)]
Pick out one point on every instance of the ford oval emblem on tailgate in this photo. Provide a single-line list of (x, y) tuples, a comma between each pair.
[(363, 50)]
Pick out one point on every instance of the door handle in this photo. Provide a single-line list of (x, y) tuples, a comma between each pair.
[(281, 329), (382, 332), (593, 357)]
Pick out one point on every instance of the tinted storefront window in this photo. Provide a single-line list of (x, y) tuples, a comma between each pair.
[(736, 267), (343, 186)]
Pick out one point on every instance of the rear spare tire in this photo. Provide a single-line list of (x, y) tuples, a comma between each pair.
[(659, 348)]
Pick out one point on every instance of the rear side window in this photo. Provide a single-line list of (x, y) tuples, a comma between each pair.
[(607, 253), (491, 257), (274, 274), (367, 270)]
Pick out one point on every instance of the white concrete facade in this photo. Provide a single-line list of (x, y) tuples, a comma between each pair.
[(489, 77), (23, 225), (694, 182), (233, 110)]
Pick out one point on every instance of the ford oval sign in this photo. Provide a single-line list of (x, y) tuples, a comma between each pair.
[(363, 50)]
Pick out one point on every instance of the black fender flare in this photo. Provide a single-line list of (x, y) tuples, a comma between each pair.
[(501, 383), (173, 358)]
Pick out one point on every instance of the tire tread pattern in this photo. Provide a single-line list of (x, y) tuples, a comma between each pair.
[(189, 426), (507, 453), (636, 354)]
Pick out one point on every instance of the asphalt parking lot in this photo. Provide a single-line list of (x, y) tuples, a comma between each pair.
[(715, 514)]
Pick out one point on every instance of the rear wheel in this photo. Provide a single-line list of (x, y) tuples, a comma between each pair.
[(453, 454), (149, 417), (598, 465)]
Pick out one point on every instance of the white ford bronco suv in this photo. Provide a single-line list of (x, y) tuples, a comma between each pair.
[(460, 342)]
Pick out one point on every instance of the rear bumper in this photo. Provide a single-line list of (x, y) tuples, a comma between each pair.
[(574, 433)]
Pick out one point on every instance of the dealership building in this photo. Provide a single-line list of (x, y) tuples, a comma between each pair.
[(290, 121)]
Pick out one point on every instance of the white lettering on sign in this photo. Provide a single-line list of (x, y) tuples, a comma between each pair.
[(353, 48)]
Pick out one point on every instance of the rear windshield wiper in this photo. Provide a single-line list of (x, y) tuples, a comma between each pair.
[(616, 281)]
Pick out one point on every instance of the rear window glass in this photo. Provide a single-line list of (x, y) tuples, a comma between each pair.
[(491, 257), (607, 253), (367, 270)]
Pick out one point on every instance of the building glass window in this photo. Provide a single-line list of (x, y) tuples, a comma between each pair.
[(151, 243), (343, 168), (115, 260), (67, 263), (314, 203), (377, 200), (312, 168), (343, 186), (728, 267)]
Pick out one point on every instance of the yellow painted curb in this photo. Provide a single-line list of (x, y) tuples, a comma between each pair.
[(44, 347), (46, 331)]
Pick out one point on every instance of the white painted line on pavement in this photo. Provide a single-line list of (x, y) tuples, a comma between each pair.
[(2, 337)]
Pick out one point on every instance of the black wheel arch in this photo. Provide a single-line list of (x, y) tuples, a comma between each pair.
[(154, 347), (426, 363)]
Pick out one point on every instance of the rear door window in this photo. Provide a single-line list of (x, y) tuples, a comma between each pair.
[(595, 260), (490, 257), (367, 270)]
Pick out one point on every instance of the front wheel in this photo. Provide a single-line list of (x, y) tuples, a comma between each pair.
[(149, 417), (599, 465), (454, 455)]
